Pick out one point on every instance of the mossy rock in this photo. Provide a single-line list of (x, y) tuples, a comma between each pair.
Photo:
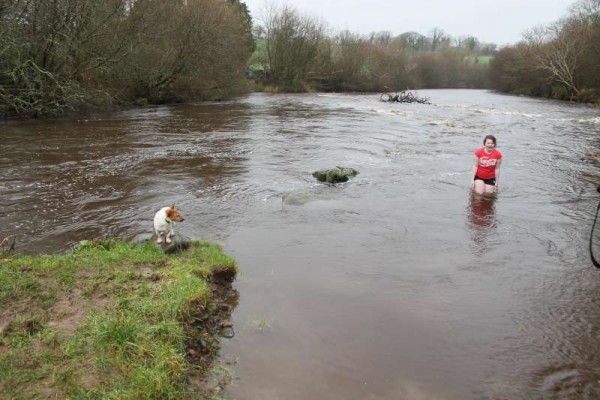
[(335, 175)]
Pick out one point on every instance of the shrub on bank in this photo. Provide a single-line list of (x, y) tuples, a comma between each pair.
[(58, 58)]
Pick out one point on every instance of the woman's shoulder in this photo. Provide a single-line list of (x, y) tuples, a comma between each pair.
[(479, 151), (498, 153)]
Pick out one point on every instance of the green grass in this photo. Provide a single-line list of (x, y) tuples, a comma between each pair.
[(108, 321), (480, 60)]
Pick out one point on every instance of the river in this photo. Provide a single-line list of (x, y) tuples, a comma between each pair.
[(395, 285)]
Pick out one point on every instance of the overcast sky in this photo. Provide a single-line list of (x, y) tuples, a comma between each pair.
[(497, 21)]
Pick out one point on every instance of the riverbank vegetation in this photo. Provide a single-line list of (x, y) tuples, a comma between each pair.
[(63, 55), (109, 320), (556, 61), (560, 60)]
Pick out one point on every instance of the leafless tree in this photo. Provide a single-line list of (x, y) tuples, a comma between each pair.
[(413, 40), (557, 51), (437, 38), (560, 60), (468, 42)]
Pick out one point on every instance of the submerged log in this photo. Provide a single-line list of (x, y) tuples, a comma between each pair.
[(404, 96)]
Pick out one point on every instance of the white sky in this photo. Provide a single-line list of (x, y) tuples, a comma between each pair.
[(497, 21)]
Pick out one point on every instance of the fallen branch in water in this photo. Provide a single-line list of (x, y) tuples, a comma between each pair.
[(405, 96)]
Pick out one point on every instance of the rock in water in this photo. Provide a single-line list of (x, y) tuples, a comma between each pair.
[(335, 175), (178, 243)]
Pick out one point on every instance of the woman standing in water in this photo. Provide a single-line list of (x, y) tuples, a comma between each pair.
[(486, 167)]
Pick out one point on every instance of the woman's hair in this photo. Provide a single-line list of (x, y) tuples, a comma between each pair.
[(492, 137)]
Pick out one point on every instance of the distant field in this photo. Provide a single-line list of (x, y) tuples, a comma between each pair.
[(483, 60)]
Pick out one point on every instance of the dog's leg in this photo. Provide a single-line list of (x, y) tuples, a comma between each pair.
[(169, 234), (159, 240)]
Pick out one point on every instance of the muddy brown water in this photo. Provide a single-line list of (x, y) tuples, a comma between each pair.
[(395, 285)]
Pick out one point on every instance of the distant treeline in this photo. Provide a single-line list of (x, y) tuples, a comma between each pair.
[(558, 61), (294, 53), (61, 55)]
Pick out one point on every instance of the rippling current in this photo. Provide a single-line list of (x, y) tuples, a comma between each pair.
[(396, 285)]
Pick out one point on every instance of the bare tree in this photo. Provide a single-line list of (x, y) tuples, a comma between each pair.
[(468, 42), (383, 37), (557, 51), (437, 37), (413, 41), (586, 10)]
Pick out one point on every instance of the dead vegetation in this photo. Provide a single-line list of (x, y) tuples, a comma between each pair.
[(405, 96)]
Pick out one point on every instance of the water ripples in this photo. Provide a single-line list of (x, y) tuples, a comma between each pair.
[(502, 289)]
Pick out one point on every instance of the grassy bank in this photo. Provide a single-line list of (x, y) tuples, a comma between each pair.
[(109, 320)]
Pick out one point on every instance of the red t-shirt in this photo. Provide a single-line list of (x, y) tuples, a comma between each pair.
[(487, 163)]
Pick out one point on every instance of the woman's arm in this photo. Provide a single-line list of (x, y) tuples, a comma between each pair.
[(474, 171), (497, 172)]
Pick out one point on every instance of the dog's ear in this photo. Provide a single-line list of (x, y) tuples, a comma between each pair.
[(173, 206)]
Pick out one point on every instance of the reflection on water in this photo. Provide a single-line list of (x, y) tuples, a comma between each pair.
[(482, 219), (384, 287)]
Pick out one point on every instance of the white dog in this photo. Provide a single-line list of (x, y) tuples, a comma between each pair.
[(164, 221)]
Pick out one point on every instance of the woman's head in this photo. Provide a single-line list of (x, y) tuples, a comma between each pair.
[(491, 139)]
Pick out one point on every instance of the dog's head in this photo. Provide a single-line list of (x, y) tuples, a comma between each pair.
[(173, 214)]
